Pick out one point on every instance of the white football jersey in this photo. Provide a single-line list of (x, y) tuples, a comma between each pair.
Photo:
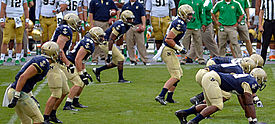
[(160, 8), (72, 6), (47, 7), (86, 3), (14, 8)]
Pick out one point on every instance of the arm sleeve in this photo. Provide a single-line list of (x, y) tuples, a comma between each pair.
[(85, 3), (261, 7), (37, 9), (149, 5), (87, 47), (246, 4), (215, 9), (24, 1), (92, 7), (240, 10), (4, 1), (142, 12), (116, 30), (172, 4)]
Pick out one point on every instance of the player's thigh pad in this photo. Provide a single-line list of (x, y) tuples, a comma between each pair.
[(117, 56), (55, 80), (169, 57), (74, 78)]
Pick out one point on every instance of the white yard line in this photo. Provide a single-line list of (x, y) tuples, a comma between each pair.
[(39, 88)]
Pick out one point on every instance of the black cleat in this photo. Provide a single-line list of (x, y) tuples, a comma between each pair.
[(124, 81), (97, 75), (70, 108), (181, 116), (54, 119), (78, 105), (189, 60), (171, 101), (198, 99), (47, 122), (160, 100)]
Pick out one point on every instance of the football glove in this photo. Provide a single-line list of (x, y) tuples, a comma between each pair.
[(14, 99), (88, 76), (71, 68), (109, 57), (183, 51), (36, 101), (84, 79), (257, 101)]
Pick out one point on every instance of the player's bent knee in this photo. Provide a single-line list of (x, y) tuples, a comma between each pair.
[(56, 92)]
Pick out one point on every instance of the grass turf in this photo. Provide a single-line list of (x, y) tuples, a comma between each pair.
[(134, 103)]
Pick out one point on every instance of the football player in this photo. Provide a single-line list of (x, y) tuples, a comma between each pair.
[(45, 16), (25, 80), (214, 82), (172, 45), (81, 53), (63, 70), (14, 18), (75, 6), (114, 35)]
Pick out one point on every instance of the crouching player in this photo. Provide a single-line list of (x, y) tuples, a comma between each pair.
[(172, 44), (213, 83), (25, 80)]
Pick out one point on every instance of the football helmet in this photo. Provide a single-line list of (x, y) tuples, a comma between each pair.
[(259, 61), (50, 50), (73, 21), (36, 34), (185, 11), (127, 17), (210, 62), (200, 74), (247, 64), (97, 34), (260, 76)]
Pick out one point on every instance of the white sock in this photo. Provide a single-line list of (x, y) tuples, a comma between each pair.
[(76, 96), (17, 56), (258, 51), (272, 52), (10, 53), (69, 100), (22, 53), (3, 56)]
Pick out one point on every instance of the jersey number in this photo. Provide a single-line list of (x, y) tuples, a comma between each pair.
[(46, 2), (15, 3), (72, 6), (159, 2)]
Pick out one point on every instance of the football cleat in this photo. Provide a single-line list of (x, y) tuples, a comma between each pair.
[(54, 119), (47, 122), (147, 64), (133, 63), (23, 59), (189, 60), (197, 99), (97, 75), (181, 114), (9, 59), (160, 100), (124, 81), (78, 105), (17, 62), (1, 62), (70, 108)]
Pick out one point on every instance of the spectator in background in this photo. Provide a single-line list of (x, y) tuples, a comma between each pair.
[(99, 14), (193, 31), (228, 22), (158, 13)]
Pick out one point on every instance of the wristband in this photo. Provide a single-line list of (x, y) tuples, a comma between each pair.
[(110, 52), (177, 47), (27, 20), (2, 20), (16, 94)]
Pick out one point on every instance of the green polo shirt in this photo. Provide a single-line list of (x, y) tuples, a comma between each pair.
[(228, 12), (206, 18), (197, 7), (245, 4)]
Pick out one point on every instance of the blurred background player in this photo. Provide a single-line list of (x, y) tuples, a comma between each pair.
[(172, 45), (99, 14), (135, 35), (114, 35), (32, 72), (228, 22), (158, 12), (45, 16), (75, 6), (14, 17), (193, 31)]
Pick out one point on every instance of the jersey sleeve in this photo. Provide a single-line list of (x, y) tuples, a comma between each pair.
[(172, 4), (215, 9), (25, 1), (216, 68), (142, 12), (37, 9), (148, 5), (4, 1), (62, 2), (113, 5), (85, 3), (66, 31), (92, 7), (117, 29), (178, 27), (41, 65), (246, 88), (87, 46), (240, 10)]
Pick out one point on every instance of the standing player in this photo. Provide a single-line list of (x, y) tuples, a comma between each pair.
[(45, 15), (213, 82), (25, 80), (173, 45), (13, 20), (114, 35)]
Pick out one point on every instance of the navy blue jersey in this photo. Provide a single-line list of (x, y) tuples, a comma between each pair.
[(66, 31), (118, 28), (41, 64), (87, 44), (227, 68), (178, 26), (232, 83), (137, 9), (221, 60), (101, 9)]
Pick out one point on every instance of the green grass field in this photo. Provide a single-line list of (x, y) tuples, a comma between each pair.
[(134, 103)]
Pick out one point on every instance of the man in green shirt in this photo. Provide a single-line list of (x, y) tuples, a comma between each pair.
[(228, 22), (194, 30)]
